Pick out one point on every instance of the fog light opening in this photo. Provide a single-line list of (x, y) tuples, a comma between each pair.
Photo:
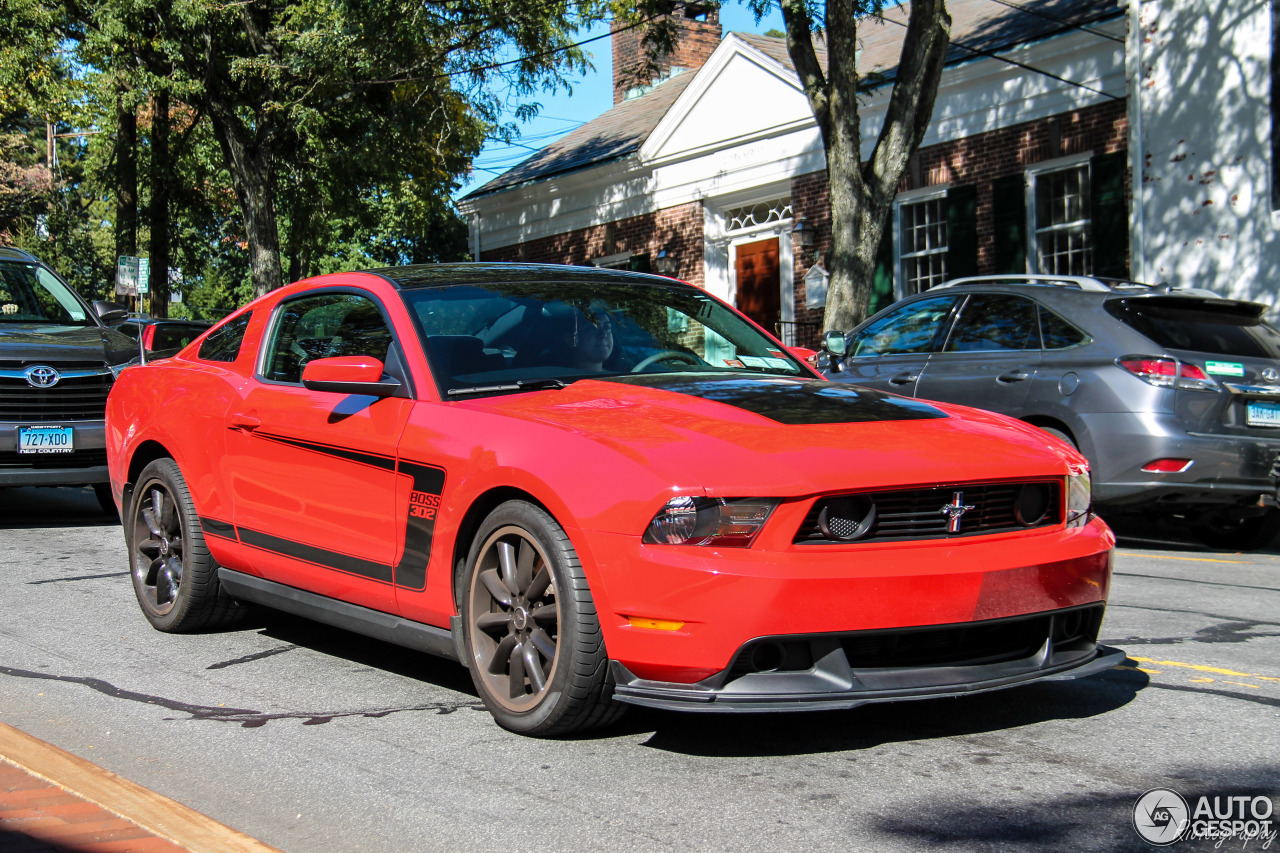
[(767, 657)]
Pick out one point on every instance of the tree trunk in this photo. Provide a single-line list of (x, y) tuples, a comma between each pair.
[(126, 179), (158, 279), (250, 161), (862, 193)]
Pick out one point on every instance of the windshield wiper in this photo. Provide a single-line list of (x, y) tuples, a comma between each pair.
[(519, 385)]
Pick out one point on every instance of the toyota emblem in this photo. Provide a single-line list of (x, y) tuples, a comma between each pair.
[(1271, 374), (40, 376)]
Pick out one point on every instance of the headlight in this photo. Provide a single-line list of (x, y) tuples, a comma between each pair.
[(1079, 497), (731, 522)]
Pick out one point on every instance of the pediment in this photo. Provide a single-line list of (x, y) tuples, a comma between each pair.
[(740, 94)]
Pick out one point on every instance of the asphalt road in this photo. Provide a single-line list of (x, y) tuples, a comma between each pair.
[(312, 739)]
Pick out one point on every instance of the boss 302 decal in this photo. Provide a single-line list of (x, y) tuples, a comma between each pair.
[(419, 520)]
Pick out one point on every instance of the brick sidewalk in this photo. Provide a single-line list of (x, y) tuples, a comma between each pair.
[(39, 817), (51, 800)]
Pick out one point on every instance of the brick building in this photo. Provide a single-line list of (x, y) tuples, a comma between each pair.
[(714, 173)]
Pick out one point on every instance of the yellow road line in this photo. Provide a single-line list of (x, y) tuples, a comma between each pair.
[(1201, 668), (1192, 559)]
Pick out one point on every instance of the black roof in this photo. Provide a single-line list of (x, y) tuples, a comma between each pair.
[(442, 275)]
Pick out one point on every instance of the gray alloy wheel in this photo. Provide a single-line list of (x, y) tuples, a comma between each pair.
[(174, 576), (532, 636)]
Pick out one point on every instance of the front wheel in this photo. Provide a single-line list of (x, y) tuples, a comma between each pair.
[(174, 576), (1227, 530), (531, 632)]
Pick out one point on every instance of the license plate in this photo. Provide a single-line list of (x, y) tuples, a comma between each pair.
[(48, 439), (1262, 414)]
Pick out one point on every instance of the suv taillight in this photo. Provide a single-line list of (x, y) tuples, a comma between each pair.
[(1166, 372)]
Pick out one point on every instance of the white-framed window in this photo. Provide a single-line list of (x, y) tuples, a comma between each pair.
[(1058, 210), (921, 239)]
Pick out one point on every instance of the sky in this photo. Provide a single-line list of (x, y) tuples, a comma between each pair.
[(592, 95)]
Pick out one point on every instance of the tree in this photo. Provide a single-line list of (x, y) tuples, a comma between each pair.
[(861, 193), (284, 84)]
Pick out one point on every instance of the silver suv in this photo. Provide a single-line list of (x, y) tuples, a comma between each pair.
[(57, 362), (1172, 394)]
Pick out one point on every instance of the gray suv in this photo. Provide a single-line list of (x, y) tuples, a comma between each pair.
[(1172, 394), (57, 362)]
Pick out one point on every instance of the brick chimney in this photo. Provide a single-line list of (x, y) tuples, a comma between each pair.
[(698, 36)]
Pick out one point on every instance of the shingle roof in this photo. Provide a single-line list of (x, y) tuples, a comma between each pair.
[(612, 135), (977, 25)]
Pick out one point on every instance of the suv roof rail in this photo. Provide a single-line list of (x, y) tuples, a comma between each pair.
[(12, 253), (1080, 282)]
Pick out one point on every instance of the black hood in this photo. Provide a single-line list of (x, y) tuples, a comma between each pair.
[(789, 401), (41, 343)]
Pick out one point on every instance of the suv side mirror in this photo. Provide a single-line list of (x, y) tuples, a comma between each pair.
[(834, 345), (110, 312)]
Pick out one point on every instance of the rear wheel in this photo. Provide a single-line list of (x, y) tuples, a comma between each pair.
[(102, 491), (174, 576), (1232, 530), (531, 633), (1060, 435)]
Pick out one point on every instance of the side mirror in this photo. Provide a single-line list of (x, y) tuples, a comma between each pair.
[(110, 312), (351, 374), (835, 346)]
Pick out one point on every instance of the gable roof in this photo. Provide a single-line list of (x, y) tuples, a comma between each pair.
[(978, 27)]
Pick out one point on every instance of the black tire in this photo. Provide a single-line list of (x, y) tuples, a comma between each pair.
[(1060, 435), (174, 576), (530, 629), (1227, 530)]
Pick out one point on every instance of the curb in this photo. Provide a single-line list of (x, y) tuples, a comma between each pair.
[(155, 813)]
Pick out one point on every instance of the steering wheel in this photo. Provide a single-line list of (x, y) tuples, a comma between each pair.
[(667, 355)]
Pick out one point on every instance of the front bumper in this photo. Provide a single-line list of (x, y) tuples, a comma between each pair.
[(856, 668), (714, 601)]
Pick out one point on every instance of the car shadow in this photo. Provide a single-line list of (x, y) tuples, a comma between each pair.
[(34, 507), (1167, 534), (746, 734), (761, 735)]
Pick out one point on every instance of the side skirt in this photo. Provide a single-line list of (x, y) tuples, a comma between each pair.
[(350, 617)]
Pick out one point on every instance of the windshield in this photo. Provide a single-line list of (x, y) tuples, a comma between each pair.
[(507, 336), (31, 294)]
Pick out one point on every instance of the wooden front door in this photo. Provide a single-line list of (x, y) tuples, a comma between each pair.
[(758, 283)]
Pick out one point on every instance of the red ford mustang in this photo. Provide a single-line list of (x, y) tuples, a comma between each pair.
[(595, 488)]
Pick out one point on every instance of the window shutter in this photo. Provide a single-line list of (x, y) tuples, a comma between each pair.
[(882, 280), (1109, 215), (962, 231), (1009, 215)]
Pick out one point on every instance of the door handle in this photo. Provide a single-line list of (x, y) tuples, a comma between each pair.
[(1013, 376), (245, 423), (904, 378)]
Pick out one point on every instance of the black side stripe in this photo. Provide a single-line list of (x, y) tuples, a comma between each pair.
[(419, 526), (317, 556), (221, 529)]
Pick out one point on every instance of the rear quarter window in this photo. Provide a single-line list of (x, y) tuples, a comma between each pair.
[(1218, 330), (224, 343)]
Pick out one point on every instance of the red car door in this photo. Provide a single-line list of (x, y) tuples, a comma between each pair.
[(313, 473)]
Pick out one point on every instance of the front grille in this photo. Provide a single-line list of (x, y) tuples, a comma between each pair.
[(78, 459), (909, 514), (74, 398), (968, 644)]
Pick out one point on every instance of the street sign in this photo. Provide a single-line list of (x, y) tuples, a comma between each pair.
[(127, 275)]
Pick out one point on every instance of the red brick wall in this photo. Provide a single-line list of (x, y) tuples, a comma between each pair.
[(678, 230), (698, 37), (976, 160)]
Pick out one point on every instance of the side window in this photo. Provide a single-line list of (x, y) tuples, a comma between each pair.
[(912, 328), (224, 343), (994, 322), (324, 326), (1057, 333)]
